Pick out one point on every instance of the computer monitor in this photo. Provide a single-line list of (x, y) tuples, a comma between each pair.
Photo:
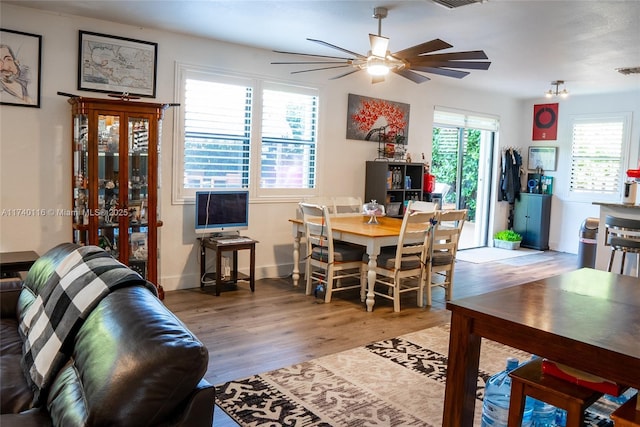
[(221, 211)]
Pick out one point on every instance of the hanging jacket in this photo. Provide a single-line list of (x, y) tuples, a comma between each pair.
[(510, 176)]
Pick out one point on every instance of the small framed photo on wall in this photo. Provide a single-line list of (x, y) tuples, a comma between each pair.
[(542, 157)]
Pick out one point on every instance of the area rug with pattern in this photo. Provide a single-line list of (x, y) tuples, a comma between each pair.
[(395, 382)]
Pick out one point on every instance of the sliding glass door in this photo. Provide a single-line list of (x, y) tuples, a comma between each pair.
[(461, 161)]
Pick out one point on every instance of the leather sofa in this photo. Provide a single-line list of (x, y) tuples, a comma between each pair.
[(130, 362)]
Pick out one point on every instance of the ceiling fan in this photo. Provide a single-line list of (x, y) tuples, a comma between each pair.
[(379, 61)]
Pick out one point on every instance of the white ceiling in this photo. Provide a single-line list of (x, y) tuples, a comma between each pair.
[(529, 42)]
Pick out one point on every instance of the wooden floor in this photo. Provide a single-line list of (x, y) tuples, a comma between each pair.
[(278, 325)]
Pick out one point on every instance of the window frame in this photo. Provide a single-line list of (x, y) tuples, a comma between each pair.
[(590, 196), (180, 194)]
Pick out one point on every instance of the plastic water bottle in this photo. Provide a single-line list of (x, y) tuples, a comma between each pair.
[(544, 414), (495, 407)]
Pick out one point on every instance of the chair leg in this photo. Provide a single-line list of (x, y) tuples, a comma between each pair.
[(329, 283), (429, 288), (363, 283), (448, 290), (396, 295), (613, 254), (308, 276)]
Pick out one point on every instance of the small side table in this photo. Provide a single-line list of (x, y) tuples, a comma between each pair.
[(15, 262), (227, 244)]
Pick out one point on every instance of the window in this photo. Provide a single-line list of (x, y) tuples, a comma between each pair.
[(598, 147), (239, 132), (217, 130), (288, 139)]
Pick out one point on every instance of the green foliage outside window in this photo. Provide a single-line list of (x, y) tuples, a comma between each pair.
[(444, 165)]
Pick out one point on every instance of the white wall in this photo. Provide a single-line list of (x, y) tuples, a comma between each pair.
[(35, 144), (567, 214)]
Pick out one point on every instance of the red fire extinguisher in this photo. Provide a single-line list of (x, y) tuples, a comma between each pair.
[(429, 180)]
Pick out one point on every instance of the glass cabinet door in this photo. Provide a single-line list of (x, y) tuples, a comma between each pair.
[(110, 206), (138, 194), (81, 209)]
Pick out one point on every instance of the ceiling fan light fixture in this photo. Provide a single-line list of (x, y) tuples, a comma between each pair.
[(377, 66), (555, 90)]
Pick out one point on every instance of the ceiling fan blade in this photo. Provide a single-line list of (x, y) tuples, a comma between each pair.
[(453, 64), (346, 74), (313, 55), (309, 62), (472, 54), (320, 69), (414, 77), (377, 79), (443, 72), (422, 48), (357, 55), (379, 45)]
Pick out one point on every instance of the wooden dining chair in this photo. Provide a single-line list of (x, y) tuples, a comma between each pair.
[(347, 205), (444, 249), (405, 268), (328, 260)]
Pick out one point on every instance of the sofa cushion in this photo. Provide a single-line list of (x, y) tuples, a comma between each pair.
[(133, 363), (16, 396)]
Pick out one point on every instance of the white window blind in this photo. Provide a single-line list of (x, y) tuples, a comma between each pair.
[(464, 119), (597, 152), (289, 129), (236, 131), (217, 132)]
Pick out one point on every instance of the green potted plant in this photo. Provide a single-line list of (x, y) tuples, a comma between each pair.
[(507, 239)]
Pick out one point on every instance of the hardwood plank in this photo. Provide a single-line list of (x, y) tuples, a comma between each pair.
[(250, 333)]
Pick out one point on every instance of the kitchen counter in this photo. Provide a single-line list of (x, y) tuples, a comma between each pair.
[(603, 252), (617, 205)]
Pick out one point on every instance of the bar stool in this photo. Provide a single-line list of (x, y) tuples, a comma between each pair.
[(623, 235), (528, 380)]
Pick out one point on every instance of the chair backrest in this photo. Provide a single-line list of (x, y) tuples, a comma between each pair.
[(448, 230), (622, 233), (321, 201), (317, 225), (415, 236), (419, 205), (347, 205)]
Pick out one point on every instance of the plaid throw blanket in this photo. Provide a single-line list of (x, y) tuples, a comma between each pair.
[(78, 284)]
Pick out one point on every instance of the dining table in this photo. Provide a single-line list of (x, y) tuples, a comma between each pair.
[(357, 229), (586, 319)]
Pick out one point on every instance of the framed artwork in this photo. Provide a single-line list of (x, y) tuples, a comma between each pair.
[(545, 122), (21, 57), (378, 120), (117, 65), (542, 157)]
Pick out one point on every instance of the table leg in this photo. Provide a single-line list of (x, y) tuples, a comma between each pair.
[(296, 260), (219, 271), (203, 260), (462, 373), (252, 268), (371, 281)]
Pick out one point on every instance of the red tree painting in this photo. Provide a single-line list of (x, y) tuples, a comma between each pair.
[(373, 119)]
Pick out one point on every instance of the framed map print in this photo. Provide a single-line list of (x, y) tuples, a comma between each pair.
[(117, 65)]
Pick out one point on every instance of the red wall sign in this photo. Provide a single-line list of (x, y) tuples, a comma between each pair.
[(545, 122)]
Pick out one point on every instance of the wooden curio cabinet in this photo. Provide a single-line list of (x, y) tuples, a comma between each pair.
[(115, 179)]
